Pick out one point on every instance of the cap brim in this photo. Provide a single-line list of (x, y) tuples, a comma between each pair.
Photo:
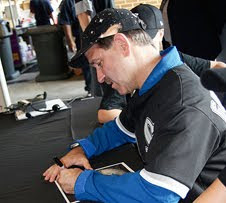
[(75, 60)]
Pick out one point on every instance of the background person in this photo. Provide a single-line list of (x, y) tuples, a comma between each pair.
[(215, 80), (68, 19), (43, 11), (85, 11), (196, 23)]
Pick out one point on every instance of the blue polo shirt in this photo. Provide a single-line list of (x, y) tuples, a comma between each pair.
[(42, 10)]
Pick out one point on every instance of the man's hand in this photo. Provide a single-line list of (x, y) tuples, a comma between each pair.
[(71, 45), (67, 179), (51, 173), (74, 157)]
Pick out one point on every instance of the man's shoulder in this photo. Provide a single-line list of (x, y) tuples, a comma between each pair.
[(183, 72), (178, 74)]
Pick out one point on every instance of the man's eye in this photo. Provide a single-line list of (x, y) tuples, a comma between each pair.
[(99, 64)]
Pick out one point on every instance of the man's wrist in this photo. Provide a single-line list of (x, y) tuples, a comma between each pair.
[(68, 160), (86, 147), (74, 145), (78, 150)]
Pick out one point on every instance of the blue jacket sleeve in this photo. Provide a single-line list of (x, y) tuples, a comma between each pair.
[(130, 187), (104, 139)]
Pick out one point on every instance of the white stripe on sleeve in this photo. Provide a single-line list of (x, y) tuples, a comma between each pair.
[(165, 182), (123, 129)]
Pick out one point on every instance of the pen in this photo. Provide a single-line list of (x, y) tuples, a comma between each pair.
[(77, 166), (59, 163)]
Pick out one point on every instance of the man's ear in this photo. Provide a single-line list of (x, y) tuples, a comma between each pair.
[(122, 43)]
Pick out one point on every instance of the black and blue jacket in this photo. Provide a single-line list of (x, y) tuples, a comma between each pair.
[(178, 127)]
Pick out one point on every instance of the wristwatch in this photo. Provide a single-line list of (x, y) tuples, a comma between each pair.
[(74, 145)]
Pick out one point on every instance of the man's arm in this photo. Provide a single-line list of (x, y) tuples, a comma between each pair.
[(66, 18), (216, 192), (217, 64), (130, 187), (111, 104), (199, 65), (83, 11), (107, 115), (84, 20), (102, 139), (69, 37), (53, 19), (106, 138)]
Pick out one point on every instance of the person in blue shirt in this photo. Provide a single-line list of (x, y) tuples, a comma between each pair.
[(43, 11), (68, 19), (176, 123)]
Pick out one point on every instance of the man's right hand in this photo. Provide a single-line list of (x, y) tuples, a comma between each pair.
[(74, 157)]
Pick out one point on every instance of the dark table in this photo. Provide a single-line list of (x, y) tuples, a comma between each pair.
[(28, 146)]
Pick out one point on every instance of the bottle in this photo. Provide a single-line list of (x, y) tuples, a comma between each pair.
[(23, 50), (29, 53)]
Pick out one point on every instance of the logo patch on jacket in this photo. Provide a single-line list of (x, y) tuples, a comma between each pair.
[(148, 132)]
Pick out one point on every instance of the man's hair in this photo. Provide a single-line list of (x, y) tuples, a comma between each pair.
[(139, 37)]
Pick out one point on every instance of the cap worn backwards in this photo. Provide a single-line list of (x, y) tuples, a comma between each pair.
[(151, 16), (107, 23)]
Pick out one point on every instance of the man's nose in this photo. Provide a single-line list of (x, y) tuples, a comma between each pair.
[(100, 75)]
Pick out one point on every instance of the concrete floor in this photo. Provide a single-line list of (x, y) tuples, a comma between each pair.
[(63, 89), (25, 86)]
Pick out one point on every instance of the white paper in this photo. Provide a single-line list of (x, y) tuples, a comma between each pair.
[(21, 115)]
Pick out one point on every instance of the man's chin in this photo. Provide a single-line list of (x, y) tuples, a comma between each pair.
[(121, 92), (119, 89)]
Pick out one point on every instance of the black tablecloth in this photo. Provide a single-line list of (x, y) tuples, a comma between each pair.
[(28, 146)]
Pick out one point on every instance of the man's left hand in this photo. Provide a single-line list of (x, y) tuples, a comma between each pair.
[(67, 179)]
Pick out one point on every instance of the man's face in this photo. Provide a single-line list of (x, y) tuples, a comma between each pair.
[(111, 67)]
